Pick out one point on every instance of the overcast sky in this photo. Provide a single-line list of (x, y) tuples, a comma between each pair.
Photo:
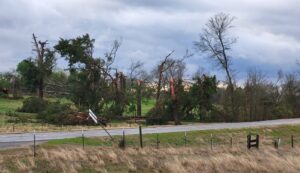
[(268, 31)]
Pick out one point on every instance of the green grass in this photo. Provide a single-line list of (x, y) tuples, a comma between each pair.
[(196, 138), (76, 141), (9, 105), (9, 114), (147, 105)]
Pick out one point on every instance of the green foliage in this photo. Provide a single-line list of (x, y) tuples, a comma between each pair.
[(55, 112), (157, 115), (4, 81), (197, 102), (33, 105), (87, 84), (90, 83), (33, 73), (28, 71), (18, 117)]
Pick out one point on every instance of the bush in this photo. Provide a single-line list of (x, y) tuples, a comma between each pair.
[(33, 105), (156, 116), (17, 117), (55, 112)]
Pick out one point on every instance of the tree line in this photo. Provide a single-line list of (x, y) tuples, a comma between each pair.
[(92, 82)]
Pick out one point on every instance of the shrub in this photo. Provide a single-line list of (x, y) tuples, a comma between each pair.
[(17, 117), (156, 116), (33, 105), (55, 112)]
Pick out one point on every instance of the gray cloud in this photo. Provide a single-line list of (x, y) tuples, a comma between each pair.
[(267, 30)]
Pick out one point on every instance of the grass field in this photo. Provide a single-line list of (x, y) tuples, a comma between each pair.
[(29, 122), (9, 105), (99, 155)]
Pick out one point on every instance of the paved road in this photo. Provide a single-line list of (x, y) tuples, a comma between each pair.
[(14, 140)]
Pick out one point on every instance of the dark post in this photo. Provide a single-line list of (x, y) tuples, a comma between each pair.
[(257, 141), (34, 154), (124, 142), (82, 141), (248, 141), (277, 143), (157, 141), (185, 139), (292, 141), (141, 136), (211, 141), (231, 141)]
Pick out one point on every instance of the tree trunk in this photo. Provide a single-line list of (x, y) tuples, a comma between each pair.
[(139, 100), (231, 93), (41, 88), (159, 84), (174, 102)]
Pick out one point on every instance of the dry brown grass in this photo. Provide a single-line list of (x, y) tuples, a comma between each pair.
[(190, 159)]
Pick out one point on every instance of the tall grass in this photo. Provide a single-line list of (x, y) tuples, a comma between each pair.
[(174, 160)]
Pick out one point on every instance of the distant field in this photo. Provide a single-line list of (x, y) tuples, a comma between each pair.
[(11, 105), (147, 105)]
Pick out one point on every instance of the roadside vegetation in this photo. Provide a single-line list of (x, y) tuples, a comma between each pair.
[(194, 138), (100, 155)]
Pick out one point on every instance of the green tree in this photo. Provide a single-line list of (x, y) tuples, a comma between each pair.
[(90, 82), (28, 71), (200, 96)]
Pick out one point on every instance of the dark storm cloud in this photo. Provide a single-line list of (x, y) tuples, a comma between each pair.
[(267, 30)]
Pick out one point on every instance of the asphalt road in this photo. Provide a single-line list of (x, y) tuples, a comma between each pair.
[(16, 140)]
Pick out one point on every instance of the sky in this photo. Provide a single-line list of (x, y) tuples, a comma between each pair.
[(267, 31)]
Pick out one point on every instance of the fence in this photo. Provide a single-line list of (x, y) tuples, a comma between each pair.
[(183, 139)]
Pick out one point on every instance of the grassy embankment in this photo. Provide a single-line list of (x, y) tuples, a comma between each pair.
[(98, 156)]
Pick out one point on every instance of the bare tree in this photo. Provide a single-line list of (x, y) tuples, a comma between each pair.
[(255, 89), (215, 41)]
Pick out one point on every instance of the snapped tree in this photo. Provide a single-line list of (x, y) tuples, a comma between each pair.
[(34, 71)]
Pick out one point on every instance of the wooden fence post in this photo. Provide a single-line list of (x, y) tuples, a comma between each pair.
[(34, 154), (82, 136), (257, 141), (292, 141), (124, 142), (211, 141), (185, 139), (248, 141), (231, 141), (141, 136), (157, 142)]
